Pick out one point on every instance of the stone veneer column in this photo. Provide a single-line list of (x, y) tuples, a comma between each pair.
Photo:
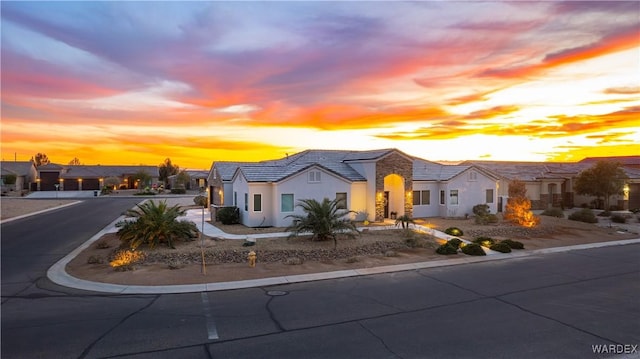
[(393, 164)]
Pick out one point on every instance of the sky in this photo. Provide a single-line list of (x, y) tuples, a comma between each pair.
[(136, 82)]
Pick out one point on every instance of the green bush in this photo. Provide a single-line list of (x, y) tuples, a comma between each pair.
[(228, 215), (618, 218), (200, 201), (584, 215), (473, 249), (446, 249), (178, 191), (455, 242), (453, 231), (500, 247), (513, 244), (484, 241), (553, 212)]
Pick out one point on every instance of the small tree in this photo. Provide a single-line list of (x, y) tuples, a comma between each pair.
[(9, 179), (324, 220), (75, 162), (518, 208), (143, 178), (40, 159), (182, 179), (112, 182), (167, 169), (604, 179)]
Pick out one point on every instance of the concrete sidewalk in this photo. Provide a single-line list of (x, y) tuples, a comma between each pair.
[(58, 274)]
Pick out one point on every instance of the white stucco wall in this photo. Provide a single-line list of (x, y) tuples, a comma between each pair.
[(432, 209), (301, 188)]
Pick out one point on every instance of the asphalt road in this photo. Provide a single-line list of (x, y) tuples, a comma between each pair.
[(552, 306)]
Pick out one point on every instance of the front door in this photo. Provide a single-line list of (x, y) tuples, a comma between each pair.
[(386, 204)]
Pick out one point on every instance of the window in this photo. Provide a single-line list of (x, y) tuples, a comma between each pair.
[(341, 199), (473, 176), (416, 198), (314, 176), (422, 197), (441, 197), (235, 199), (286, 203), (426, 197), (453, 196), (489, 198), (246, 202), (257, 203)]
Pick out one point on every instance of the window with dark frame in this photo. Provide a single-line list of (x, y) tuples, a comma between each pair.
[(489, 196), (286, 204), (257, 202), (341, 200)]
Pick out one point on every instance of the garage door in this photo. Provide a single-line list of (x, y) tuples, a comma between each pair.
[(91, 184), (634, 195), (48, 181)]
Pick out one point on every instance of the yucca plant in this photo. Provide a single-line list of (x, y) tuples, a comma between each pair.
[(155, 224), (324, 220)]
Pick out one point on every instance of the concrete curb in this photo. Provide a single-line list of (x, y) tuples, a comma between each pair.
[(58, 274)]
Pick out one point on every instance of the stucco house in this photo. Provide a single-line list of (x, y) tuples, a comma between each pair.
[(24, 172), (376, 184), (550, 184)]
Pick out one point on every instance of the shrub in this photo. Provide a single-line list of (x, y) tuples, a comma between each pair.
[(178, 191), (500, 247), (604, 214), (446, 249), (481, 209), (513, 244), (175, 264), (455, 242), (553, 212), (618, 218), (124, 260), (473, 249), (390, 253), (352, 260), (228, 215), (200, 201), (95, 260), (484, 241), (584, 215), (454, 231), (405, 220), (102, 244), (154, 224)]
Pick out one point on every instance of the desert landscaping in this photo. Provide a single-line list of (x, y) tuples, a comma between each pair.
[(226, 259)]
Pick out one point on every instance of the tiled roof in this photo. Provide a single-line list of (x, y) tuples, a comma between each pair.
[(625, 160), (334, 161), (431, 171), (89, 171), (20, 168), (530, 171)]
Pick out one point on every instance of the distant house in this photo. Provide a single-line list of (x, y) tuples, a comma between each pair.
[(550, 184), (197, 179), (53, 177), (24, 173)]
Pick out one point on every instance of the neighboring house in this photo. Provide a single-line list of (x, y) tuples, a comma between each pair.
[(550, 184), (197, 179), (89, 177), (24, 172)]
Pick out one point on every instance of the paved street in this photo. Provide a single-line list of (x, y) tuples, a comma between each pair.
[(550, 306)]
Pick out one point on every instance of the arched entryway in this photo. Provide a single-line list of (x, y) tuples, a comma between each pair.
[(393, 196), (394, 186)]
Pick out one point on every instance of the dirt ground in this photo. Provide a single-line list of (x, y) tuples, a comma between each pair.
[(13, 207), (552, 232)]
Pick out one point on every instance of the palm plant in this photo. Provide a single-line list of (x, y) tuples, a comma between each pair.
[(155, 224), (324, 220), (405, 220)]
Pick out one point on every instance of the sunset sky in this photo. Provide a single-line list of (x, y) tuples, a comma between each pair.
[(137, 82)]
